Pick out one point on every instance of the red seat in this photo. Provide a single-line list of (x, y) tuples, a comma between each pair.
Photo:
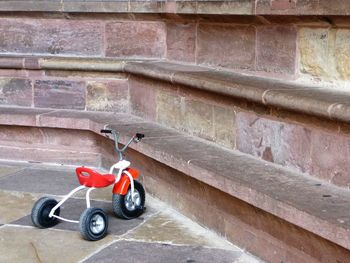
[(91, 178)]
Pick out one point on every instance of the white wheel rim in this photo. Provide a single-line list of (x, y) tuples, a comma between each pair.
[(129, 204), (97, 224)]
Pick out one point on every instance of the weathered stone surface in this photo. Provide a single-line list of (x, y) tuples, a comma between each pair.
[(42, 5), (11, 63), (169, 109), (199, 119), (236, 45), (224, 126), (288, 7), (172, 231), (136, 39), (241, 7), (138, 6), (119, 6), (15, 91), (181, 42), (274, 141), (251, 228), (314, 51), (107, 96), (34, 243), (283, 4), (342, 53), (15, 205), (276, 49), (59, 94), (154, 252), (336, 7), (330, 154), (50, 36), (143, 99)]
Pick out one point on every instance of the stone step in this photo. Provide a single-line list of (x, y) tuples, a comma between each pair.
[(194, 7), (308, 203)]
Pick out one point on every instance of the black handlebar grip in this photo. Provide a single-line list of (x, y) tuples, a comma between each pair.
[(106, 131), (139, 136)]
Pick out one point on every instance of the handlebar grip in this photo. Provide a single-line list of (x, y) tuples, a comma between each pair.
[(139, 136), (106, 131)]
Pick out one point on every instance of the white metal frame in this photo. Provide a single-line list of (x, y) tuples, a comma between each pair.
[(121, 166)]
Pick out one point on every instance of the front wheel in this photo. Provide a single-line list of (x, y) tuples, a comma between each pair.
[(124, 207), (41, 210), (93, 224)]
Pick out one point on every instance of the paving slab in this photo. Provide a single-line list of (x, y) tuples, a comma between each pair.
[(131, 252), (73, 208), (15, 205), (8, 170), (51, 181), (171, 227), (23, 244)]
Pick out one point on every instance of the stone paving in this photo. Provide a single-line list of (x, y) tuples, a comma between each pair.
[(159, 235)]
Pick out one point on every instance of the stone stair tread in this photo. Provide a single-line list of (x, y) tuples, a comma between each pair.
[(312, 204)]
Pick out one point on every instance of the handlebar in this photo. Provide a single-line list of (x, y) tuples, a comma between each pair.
[(136, 138)]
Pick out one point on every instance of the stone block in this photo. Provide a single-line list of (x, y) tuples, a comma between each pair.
[(342, 53), (143, 99), (136, 39), (13, 73), (334, 7), (330, 155), (50, 36), (283, 4), (224, 126), (181, 42), (279, 142), (226, 46), (198, 118), (314, 53), (42, 5), (107, 96), (240, 7), (11, 63), (287, 7), (95, 6), (276, 49), (169, 110), (59, 94), (15, 91), (137, 6)]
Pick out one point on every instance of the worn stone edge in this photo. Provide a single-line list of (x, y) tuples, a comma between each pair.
[(153, 69)]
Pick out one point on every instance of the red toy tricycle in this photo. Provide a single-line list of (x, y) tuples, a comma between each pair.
[(128, 198)]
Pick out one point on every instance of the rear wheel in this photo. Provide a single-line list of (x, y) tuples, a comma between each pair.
[(41, 210), (93, 224), (125, 208)]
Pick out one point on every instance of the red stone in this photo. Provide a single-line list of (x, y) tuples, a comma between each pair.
[(330, 155), (136, 39), (143, 99), (276, 49), (50, 36), (283, 143), (60, 94), (15, 91), (283, 4), (181, 42), (226, 46)]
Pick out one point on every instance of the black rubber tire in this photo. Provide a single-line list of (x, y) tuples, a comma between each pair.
[(41, 210), (86, 221), (118, 203)]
